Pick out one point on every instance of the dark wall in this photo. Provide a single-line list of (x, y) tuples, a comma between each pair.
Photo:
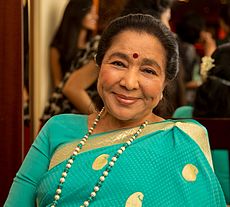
[(208, 9), (10, 92)]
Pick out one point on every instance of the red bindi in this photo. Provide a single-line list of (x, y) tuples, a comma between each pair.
[(135, 55)]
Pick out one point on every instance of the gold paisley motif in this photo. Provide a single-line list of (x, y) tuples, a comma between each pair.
[(135, 200), (100, 162), (190, 172)]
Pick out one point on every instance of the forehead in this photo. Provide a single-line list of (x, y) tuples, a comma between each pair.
[(142, 43)]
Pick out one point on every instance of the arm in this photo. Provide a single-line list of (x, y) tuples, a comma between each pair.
[(76, 85), (55, 66), (23, 189)]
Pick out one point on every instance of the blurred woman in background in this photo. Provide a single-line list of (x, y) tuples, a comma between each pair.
[(78, 22)]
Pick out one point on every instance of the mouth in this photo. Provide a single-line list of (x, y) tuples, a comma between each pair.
[(125, 100)]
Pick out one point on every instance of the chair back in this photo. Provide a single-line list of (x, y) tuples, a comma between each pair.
[(218, 131), (219, 137)]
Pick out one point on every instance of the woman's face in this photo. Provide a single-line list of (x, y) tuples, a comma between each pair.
[(90, 20), (132, 75)]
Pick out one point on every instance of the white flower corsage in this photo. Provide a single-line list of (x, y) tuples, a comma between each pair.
[(206, 65)]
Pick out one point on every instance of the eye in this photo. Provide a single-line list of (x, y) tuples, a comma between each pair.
[(150, 71), (118, 64)]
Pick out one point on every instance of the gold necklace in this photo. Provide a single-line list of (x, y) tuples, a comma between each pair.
[(105, 173)]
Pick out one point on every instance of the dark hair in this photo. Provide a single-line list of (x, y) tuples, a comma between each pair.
[(224, 13), (190, 26), (151, 7), (142, 23), (107, 12), (67, 33), (213, 96)]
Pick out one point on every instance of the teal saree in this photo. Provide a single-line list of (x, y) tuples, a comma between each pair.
[(220, 156), (168, 165)]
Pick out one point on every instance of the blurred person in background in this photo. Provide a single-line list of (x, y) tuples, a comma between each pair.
[(78, 22), (191, 29)]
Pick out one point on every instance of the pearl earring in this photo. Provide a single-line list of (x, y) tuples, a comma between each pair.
[(95, 57), (161, 96)]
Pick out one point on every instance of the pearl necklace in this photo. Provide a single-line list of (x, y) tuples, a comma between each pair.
[(105, 172)]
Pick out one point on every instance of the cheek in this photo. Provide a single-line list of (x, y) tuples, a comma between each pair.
[(153, 90), (105, 79)]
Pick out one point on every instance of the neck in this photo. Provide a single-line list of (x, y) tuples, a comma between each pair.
[(109, 122)]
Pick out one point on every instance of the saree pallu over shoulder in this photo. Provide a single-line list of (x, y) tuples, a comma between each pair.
[(168, 165), (197, 132)]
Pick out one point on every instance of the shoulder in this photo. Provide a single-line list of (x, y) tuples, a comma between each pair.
[(186, 129), (67, 118), (62, 132), (65, 125), (183, 112), (198, 133), (189, 126), (188, 122), (61, 129)]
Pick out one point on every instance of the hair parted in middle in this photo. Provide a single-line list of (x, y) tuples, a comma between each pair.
[(147, 24)]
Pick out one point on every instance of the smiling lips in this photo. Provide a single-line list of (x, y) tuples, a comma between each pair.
[(125, 100)]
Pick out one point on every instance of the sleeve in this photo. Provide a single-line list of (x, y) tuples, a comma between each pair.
[(32, 169)]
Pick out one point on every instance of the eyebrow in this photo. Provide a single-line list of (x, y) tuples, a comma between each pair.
[(120, 55)]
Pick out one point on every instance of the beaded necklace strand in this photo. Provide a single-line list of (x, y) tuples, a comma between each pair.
[(105, 172)]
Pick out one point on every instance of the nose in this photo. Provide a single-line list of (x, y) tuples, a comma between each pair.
[(130, 80)]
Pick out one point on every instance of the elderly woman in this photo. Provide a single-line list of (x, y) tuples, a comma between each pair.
[(125, 155)]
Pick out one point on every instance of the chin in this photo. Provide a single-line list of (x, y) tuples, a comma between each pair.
[(124, 114)]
